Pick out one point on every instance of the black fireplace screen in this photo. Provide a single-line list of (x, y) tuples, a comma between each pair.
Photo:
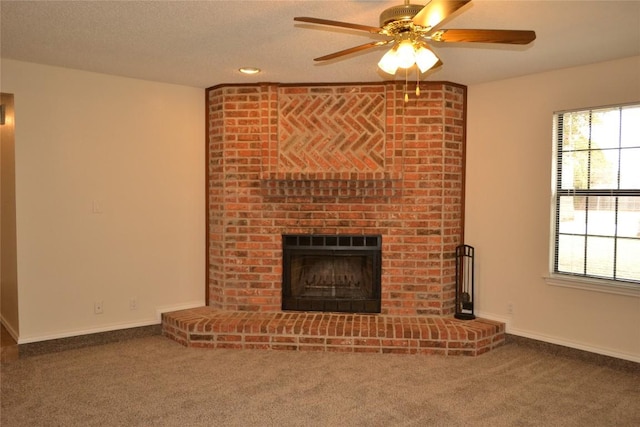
[(331, 273)]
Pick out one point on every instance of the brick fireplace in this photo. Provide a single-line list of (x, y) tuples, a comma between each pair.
[(334, 159)]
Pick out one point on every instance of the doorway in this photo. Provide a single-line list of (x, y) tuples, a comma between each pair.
[(8, 245)]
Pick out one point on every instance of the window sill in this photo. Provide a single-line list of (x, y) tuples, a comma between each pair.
[(596, 285)]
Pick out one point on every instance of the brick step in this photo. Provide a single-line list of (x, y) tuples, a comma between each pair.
[(314, 331)]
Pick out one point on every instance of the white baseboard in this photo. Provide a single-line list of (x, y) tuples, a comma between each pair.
[(89, 331), (111, 327), (559, 341)]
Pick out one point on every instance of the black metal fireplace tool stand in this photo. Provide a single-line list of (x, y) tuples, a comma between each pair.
[(464, 283)]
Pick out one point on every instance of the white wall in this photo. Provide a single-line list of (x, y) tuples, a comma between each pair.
[(508, 200), (110, 199)]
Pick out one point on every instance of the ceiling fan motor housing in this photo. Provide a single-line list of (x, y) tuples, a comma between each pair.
[(404, 12)]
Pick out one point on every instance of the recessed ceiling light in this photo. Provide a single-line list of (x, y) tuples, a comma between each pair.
[(249, 70)]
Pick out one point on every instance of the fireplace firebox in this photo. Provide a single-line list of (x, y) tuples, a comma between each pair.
[(332, 273)]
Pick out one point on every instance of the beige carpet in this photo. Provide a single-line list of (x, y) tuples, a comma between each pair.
[(155, 382)]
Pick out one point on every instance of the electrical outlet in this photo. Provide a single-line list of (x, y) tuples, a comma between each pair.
[(510, 308), (97, 307), (133, 304), (96, 207)]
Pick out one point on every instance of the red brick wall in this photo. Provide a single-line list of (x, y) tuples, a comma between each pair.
[(335, 159)]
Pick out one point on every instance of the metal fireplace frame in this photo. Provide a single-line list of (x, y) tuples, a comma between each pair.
[(327, 245)]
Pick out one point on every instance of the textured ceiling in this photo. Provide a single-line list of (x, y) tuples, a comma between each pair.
[(203, 43)]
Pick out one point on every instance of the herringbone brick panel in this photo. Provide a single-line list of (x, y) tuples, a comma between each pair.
[(331, 132)]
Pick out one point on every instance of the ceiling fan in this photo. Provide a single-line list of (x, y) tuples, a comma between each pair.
[(411, 27)]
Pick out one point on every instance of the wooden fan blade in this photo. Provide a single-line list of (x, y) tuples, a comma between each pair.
[(352, 50), (485, 36), (436, 11), (367, 28)]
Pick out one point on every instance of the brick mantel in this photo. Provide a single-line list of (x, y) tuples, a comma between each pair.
[(335, 159)]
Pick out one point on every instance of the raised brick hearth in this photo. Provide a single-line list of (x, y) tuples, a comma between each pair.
[(362, 333), (334, 159)]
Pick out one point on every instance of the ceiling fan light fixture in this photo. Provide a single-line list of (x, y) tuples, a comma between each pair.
[(425, 58), (405, 54), (389, 62)]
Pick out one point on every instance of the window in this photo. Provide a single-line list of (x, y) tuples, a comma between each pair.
[(597, 194)]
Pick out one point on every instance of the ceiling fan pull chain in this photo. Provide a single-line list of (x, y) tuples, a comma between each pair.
[(417, 81), (406, 85)]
